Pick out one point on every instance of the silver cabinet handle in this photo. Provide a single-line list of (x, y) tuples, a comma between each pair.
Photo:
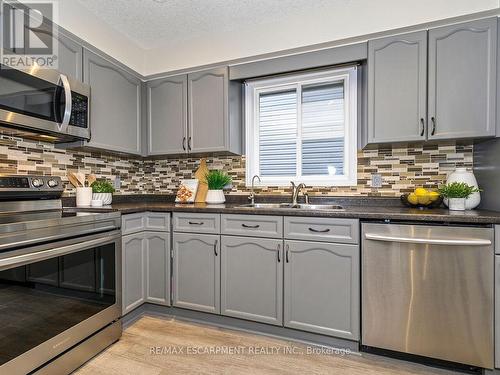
[(422, 123), (250, 226), (195, 222), (320, 231), (184, 143), (286, 253), (215, 247), (433, 120), (68, 102), (279, 250), (430, 241), (189, 144)]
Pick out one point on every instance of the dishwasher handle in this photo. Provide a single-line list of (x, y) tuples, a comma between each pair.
[(428, 241)]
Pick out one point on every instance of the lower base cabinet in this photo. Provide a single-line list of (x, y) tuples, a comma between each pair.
[(196, 272), (321, 288), (146, 265), (252, 279)]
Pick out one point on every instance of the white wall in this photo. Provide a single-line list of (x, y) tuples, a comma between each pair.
[(340, 19)]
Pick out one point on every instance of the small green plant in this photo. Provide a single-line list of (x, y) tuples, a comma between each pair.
[(217, 179), (457, 190), (102, 187)]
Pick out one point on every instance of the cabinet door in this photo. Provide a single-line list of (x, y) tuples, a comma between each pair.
[(167, 115), (497, 309), (115, 116), (397, 80), (70, 57), (133, 264), (252, 279), (462, 80), (157, 247), (196, 272), (208, 110), (322, 288)]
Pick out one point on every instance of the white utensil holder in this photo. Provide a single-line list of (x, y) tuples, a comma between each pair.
[(83, 196)]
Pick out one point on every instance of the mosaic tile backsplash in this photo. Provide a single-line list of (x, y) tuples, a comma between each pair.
[(402, 168)]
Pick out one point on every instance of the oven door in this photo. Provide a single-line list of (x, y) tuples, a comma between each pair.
[(44, 100), (54, 296)]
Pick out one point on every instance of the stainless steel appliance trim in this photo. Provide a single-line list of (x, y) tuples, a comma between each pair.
[(44, 352), (68, 103), (20, 260), (26, 206), (430, 241)]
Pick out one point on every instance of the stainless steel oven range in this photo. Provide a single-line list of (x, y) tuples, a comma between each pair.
[(60, 279)]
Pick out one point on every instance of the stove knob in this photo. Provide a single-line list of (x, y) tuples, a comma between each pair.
[(52, 183), (37, 182)]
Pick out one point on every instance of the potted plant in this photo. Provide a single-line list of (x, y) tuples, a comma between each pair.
[(216, 180), (457, 193), (102, 190)]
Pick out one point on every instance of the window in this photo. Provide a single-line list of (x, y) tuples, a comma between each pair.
[(302, 128)]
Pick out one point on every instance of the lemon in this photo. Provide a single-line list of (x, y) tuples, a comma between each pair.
[(424, 199), (412, 198), (421, 191), (433, 195)]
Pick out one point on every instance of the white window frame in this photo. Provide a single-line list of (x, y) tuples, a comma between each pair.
[(254, 88)]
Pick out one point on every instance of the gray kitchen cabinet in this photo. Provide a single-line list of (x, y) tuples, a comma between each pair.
[(252, 279), (397, 94), (196, 272), (497, 309), (146, 269), (133, 280), (462, 80), (167, 115), (157, 267), (115, 116), (70, 57), (321, 288), (214, 108)]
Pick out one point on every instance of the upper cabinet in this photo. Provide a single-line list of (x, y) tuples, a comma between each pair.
[(462, 80), (439, 84), (115, 117), (195, 113), (70, 55), (167, 115), (397, 84)]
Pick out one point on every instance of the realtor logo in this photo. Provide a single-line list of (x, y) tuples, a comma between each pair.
[(29, 39)]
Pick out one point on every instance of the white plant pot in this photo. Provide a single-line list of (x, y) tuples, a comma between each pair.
[(106, 198), (463, 175), (457, 204), (215, 197)]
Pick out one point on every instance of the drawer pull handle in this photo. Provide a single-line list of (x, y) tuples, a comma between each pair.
[(195, 222), (250, 226), (319, 231), (279, 251), (215, 247)]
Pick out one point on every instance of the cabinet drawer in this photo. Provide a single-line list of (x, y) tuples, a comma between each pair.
[(253, 225), (133, 223), (157, 221), (322, 229), (196, 223)]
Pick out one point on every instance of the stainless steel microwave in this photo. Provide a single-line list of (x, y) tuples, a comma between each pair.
[(43, 104)]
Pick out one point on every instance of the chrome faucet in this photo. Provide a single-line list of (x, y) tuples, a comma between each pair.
[(251, 197), (296, 191)]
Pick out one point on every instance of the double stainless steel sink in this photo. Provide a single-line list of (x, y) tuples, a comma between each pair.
[(293, 206)]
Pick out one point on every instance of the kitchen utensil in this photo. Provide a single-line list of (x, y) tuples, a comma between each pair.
[(81, 178), (73, 180), (91, 178), (200, 174)]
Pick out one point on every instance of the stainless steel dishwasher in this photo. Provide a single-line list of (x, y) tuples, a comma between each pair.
[(428, 291)]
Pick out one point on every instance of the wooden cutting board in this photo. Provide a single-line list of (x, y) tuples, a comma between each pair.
[(200, 174)]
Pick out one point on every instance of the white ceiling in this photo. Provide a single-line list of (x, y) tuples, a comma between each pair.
[(151, 23)]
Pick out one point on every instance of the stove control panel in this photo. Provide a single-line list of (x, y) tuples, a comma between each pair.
[(30, 183)]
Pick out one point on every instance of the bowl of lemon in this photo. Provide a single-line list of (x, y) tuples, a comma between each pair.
[(422, 198)]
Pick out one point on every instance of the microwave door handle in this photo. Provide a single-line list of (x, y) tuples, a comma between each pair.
[(68, 103)]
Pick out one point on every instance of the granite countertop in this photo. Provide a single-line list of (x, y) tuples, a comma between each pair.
[(359, 211)]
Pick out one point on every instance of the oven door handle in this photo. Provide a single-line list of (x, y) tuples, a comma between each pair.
[(63, 126), (20, 260)]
